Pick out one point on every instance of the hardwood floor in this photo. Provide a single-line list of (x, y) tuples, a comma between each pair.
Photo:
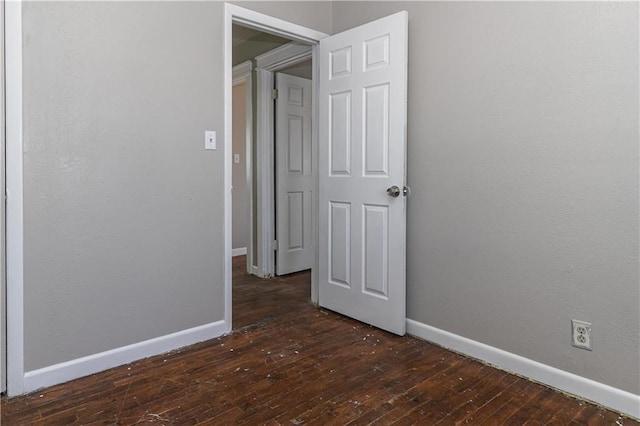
[(289, 362)]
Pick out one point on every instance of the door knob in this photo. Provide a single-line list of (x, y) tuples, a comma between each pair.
[(393, 191)]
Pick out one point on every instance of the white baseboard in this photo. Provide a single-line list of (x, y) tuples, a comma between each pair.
[(238, 251), (80, 367), (608, 396)]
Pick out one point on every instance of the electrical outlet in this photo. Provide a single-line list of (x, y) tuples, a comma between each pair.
[(581, 334)]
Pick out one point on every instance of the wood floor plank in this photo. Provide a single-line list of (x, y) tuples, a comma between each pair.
[(327, 380), (361, 405), (289, 362), (343, 396)]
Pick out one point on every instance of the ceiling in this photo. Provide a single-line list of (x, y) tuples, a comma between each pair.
[(242, 35)]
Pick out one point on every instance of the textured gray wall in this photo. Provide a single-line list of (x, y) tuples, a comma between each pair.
[(240, 233), (311, 14), (523, 161), (122, 235), (123, 212)]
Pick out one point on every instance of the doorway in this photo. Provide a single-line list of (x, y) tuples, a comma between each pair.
[(272, 181), (272, 160), (256, 21), (358, 267), (242, 175), (284, 156)]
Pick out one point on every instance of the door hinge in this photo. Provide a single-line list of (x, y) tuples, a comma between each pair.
[(274, 93), (275, 245)]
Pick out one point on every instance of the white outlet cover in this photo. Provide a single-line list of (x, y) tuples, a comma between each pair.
[(209, 139), (581, 334), (236, 158)]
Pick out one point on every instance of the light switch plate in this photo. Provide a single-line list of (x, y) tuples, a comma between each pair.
[(236, 158), (209, 139)]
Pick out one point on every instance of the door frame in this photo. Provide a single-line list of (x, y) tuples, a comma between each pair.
[(242, 75), (14, 197), (3, 227), (267, 65), (259, 21)]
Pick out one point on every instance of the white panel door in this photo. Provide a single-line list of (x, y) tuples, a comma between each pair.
[(362, 219), (294, 183)]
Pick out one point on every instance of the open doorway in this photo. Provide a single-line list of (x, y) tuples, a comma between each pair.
[(280, 171), (272, 182), (272, 160)]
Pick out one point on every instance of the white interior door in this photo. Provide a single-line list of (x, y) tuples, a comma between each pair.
[(362, 224), (294, 183)]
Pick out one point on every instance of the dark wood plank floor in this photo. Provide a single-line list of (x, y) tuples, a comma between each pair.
[(291, 363)]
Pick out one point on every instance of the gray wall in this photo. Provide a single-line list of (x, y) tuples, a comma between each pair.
[(523, 161), (311, 14), (123, 212), (239, 173)]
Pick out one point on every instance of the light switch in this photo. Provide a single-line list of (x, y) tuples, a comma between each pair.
[(236, 158), (209, 139)]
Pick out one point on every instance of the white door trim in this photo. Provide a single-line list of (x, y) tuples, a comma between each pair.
[(256, 20), (284, 56), (269, 24), (14, 192), (242, 75), (3, 287)]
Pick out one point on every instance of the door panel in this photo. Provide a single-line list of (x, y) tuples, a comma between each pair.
[(296, 222), (376, 249), (376, 130), (363, 80), (294, 183), (340, 135), (340, 244)]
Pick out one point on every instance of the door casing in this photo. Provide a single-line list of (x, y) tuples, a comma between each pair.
[(3, 287), (14, 197)]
